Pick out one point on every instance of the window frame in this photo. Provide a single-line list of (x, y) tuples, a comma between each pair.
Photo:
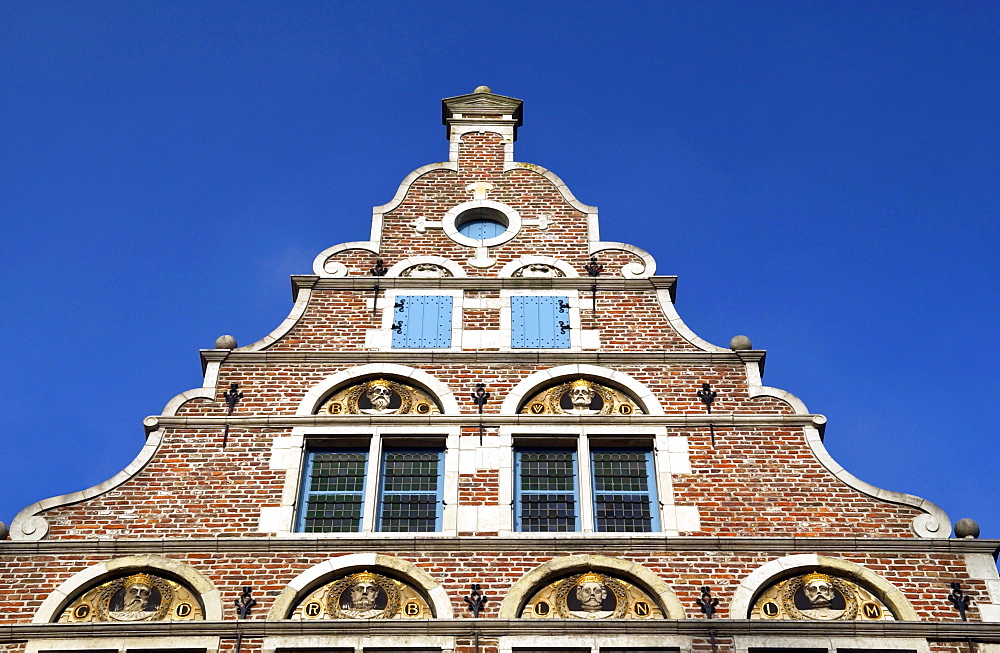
[(309, 439), (653, 439)]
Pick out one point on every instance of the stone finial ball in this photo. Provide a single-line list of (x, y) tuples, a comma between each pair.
[(966, 528), (739, 343), (225, 342), (482, 89), (3, 531)]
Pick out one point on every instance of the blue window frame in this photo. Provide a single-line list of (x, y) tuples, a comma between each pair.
[(546, 495), (410, 494), (539, 322), (422, 321), (481, 228), (624, 491), (333, 491)]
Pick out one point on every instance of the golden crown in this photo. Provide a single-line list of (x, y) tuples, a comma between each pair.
[(581, 383), (364, 577), (380, 382), (138, 579), (590, 577), (808, 578)]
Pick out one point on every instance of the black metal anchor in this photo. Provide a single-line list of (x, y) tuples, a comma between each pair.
[(232, 396)]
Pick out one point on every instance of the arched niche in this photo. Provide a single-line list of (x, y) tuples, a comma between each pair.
[(329, 585), (438, 394), (426, 267), (630, 581), (538, 266), (102, 587), (548, 389), (845, 591)]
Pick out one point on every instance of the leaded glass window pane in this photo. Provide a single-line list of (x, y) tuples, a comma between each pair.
[(624, 495), (334, 492), (411, 490), (547, 491)]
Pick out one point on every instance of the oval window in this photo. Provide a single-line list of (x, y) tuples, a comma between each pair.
[(481, 223)]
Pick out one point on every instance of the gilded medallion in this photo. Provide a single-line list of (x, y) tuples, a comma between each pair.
[(819, 597), (139, 597), (591, 595), (379, 397), (363, 595), (580, 397)]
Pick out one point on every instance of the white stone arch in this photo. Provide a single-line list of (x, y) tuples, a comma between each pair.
[(515, 265), (775, 570), (646, 268), (534, 382), (315, 575), (448, 223), (60, 597), (397, 269), (538, 577), (335, 268), (312, 399)]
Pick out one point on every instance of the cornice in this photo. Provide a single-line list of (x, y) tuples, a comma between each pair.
[(251, 628), (507, 358), (366, 284), (557, 545), (674, 420)]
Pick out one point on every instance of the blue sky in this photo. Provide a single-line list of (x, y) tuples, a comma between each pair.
[(822, 177)]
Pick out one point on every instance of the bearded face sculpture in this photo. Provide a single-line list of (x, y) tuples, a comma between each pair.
[(379, 394)]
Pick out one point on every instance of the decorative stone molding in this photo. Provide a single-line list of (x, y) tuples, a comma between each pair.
[(30, 525), (53, 604), (534, 382), (323, 267), (303, 293), (774, 570), (933, 523), (536, 578), (590, 211), (450, 226), (311, 402), (512, 267), (397, 269), (316, 574), (633, 270)]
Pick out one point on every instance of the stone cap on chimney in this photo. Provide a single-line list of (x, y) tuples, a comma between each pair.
[(481, 110)]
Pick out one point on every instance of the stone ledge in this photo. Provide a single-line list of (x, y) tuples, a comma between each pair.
[(548, 544), (366, 284), (507, 358), (155, 422), (251, 628)]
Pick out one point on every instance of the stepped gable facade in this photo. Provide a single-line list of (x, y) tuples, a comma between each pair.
[(484, 428)]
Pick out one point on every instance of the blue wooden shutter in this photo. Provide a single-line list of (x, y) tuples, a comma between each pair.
[(422, 321), (539, 322)]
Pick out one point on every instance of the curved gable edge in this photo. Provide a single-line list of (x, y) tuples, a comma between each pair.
[(30, 525)]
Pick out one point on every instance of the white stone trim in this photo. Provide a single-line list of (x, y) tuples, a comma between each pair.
[(515, 265), (743, 643), (30, 525), (397, 268), (401, 191), (179, 400), (533, 382), (796, 404), (317, 574), (457, 130), (357, 643), (310, 402), (206, 643), (523, 589), (773, 570), (54, 603), (670, 312), (336, 269), (302, 298), (591, 211), (593, 642), (451, 229), (632, 270), (288, 456), (934, 523), (984, 567)]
